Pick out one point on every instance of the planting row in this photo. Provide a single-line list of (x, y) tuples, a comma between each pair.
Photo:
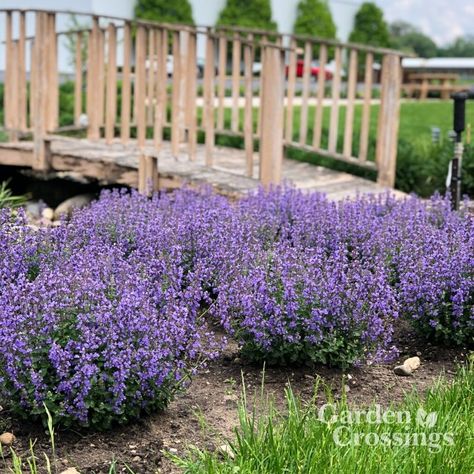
[(104, 317)]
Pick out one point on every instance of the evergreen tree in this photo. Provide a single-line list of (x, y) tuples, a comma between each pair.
[(370, 26), (165, 11), (247, 13), (314, 18)]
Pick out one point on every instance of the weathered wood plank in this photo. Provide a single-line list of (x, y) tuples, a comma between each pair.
[(160, 112), (175, 110), (140, 84), (111, 105), (351, 90), (271, 141), (308, 51), (236, 54), (365, 122), (209, 99), (78, 79), (22, 87), (93, 131), (318, 116), (222, 80), (248, 116), (191, 93), (126, 85), (389, 116), (336, 90), (291, 92)]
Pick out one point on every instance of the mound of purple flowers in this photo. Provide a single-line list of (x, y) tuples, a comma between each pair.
[(103, 318)]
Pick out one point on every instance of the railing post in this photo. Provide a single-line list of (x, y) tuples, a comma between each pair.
[(111, 97), (271, 132), (208, 118), (93, 130), (389, 115), (78, 80), (126, 85), (22, 88), (53, 87), (40, 93)]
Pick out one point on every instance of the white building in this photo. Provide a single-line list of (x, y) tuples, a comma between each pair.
[(205, 12)]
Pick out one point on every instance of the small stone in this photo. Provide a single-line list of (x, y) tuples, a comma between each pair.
[(7, 439), (132, 446), (402, 370), (226, 451), (413, 363), (418, 353), (47, 214), (231, 400), (76, 202), (70, 470), (137, 459), (347, 389), (237, 360), (309, 377), (173, 450)]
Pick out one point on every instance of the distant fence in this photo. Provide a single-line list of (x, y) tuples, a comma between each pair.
[(162, 91)]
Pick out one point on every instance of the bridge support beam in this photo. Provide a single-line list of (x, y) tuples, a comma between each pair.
[(147, 175)]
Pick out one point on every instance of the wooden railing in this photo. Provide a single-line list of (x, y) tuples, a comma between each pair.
[(250, 89)]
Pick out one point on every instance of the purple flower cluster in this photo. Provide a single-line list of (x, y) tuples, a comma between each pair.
[(102, 318)]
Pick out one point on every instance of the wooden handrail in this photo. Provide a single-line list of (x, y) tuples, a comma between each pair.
[(160, 93)]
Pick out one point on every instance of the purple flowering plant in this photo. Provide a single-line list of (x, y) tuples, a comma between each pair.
[(105, 317)]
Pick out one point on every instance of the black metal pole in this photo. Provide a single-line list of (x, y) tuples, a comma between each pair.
[(459, 123)]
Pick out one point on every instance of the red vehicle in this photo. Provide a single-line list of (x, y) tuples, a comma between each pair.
[(314, 70)]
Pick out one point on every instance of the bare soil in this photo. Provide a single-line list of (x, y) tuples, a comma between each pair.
[(206, 413)]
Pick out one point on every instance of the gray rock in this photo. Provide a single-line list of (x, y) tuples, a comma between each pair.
[(402, 370), (76, 202), (226, 451), (34, 209)]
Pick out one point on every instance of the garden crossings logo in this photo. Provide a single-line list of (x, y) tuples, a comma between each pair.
[(377, 426)]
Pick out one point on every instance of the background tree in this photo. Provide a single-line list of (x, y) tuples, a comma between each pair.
[(247, 13), (165, 11), (462, 47), (313, 17), (370, 26), (408, 37)]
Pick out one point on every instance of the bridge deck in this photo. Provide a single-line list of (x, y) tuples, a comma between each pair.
[(116, 163)]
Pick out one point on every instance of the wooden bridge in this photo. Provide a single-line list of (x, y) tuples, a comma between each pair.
[(140, 122)]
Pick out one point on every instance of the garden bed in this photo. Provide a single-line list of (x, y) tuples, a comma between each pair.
[(213, 396), (105, 319)]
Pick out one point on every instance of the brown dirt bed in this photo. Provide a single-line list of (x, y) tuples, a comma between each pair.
[(212, 397)]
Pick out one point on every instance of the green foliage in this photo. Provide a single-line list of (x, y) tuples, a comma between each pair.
[(165, 11), (370, 26), (7, 199), (462, 47), (302, 439), (314, 18), (248, 14), (422, 168), (409, 38)]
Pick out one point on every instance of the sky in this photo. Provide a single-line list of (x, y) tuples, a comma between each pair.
[(442, 20)]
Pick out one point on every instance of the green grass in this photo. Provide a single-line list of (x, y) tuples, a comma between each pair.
[(298, 441)]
